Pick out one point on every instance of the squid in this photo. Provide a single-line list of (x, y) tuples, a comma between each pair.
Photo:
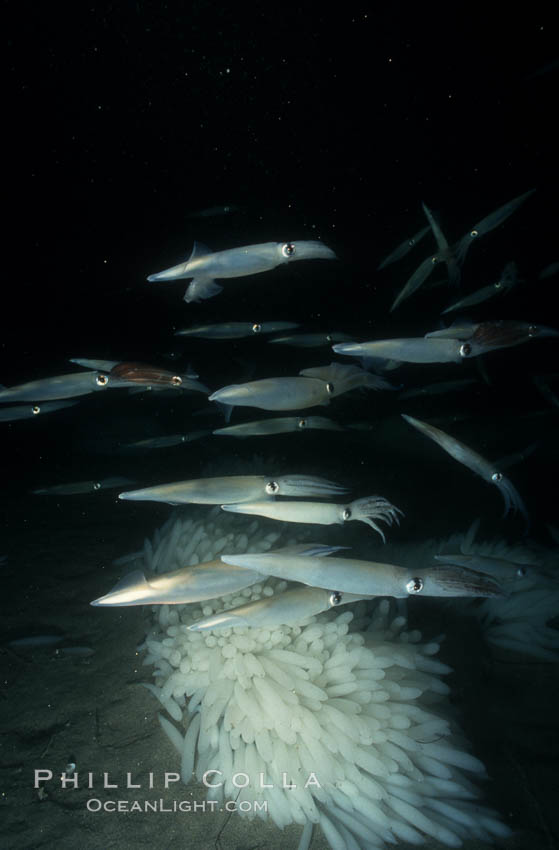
[(79, 487), (188, 584), (451, 345), (234, 489), (454, 256), (196, 583), (506, 281), (96, 365), (423, 271), (444, 251), (279, 425), (203, 266), (62, 386), (217, 210), (366, 510), (403, 248), (474, 461), (482, 337), (419, 276), (412, 350), (25, 411), (236, 330), (292, 606), (342, 378), (276, 393), (147, 376), (310, 340), (489, 223), (369, 578), (167, 441), (117, 367), (500, 569)]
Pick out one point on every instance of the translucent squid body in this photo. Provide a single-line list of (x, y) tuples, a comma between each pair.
[(312, 387), (403, 248), (147, 376), (203, 266), (481, 337), (27, 411), (292, 606), (368, 578), (489, 223), (444, 254), (78, 487), (500, 569), (507, 279), (412, 350), (194, 583), (276, 394), (279, 425), (342, 378), (454, 256), (310, 340), (61, 386), (235, 488), (367, 510), (236, 330), (463, 454), (189, 584), (451, 345)]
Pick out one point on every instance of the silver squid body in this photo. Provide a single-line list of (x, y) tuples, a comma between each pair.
[(234, 489), (276, 393), (204, 266), (369, 578)]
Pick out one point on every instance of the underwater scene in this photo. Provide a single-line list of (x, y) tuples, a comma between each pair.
[(279, 365)]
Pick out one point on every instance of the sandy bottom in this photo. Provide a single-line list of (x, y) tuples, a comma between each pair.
[(91, 710)]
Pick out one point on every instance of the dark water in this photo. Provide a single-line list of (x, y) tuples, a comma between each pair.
[(122, 120)]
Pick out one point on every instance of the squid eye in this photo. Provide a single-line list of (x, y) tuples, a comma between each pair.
[(288, 249), (434, 260), (411, 242), (272, 487), (465, 349), (474, 233), (415, 585), (176, 380), (328, 337), (102, 380), (346, 514), (532, 330), (498, 285), (330, 388), (97, 486), (256, 328), (302, 423), (35, 409), (496, 477), (521, 572), (335, 598)]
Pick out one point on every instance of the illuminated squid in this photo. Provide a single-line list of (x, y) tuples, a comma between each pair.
[(292, 606), (235, 488), (279, 425), (474, 461), (235, 330), (366, 510), (368, 578), (203, 266), (196, 583)]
